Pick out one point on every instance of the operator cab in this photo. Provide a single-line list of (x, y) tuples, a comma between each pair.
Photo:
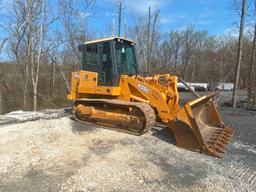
[(110, 58)]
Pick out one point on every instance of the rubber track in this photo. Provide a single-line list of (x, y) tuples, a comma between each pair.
[(146, 109)]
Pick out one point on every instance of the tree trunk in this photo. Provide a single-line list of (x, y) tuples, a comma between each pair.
[(186, 60), (239, 56), (25, 92), (156, 14), (53, 77), (176, 56), (34, 96), (35, 69), (30, 41), (252, 63), (119, 19), (200, 63), (65, 79), (148, 34), (1, 104), (186, 56)]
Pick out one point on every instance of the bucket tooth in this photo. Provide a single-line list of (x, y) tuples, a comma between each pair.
[(229, 134), (214, 152), (221, 151), (220, 147), (221, 140), (217, 148), (219, 137), (219, 143), (225, 141), (229, 130), (227, 138), (224, 134)]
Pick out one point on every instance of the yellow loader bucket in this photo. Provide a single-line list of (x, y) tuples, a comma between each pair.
[(198, 127)]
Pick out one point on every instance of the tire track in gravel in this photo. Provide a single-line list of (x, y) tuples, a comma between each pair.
[(240, 172), (252, 178)]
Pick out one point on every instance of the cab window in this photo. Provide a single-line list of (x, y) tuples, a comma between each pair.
[(91, 55), (125, 58)]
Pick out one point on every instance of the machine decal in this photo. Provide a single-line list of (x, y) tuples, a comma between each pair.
[(143, 88)]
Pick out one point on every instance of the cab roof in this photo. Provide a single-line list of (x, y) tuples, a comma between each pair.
[(109, 39)]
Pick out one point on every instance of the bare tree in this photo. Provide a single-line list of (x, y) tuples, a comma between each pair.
[(1, 105), (146, 36), (36, 75), (169, 49), (138, 33), (53, 72), (119, 19), (201, 45), (153, 37), (73, 16), (176, 47), (187, 50), (17, 32), (252, 61), (239, 54)]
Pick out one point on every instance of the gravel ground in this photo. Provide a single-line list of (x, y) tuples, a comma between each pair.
[(63, 155)]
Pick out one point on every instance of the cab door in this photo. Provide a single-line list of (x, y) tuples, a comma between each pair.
[(106, 71)]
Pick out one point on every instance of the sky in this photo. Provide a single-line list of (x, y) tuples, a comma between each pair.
[(216, 16)]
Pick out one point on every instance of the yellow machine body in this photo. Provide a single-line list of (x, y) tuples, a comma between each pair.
[(136, 101)]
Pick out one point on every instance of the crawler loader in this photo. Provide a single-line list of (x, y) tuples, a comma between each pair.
[(109, 91)]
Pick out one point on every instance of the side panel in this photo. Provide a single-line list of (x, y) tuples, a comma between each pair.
[(75, 76), (85, 83)]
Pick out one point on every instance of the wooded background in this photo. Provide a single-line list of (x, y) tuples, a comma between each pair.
[(42, 47)]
